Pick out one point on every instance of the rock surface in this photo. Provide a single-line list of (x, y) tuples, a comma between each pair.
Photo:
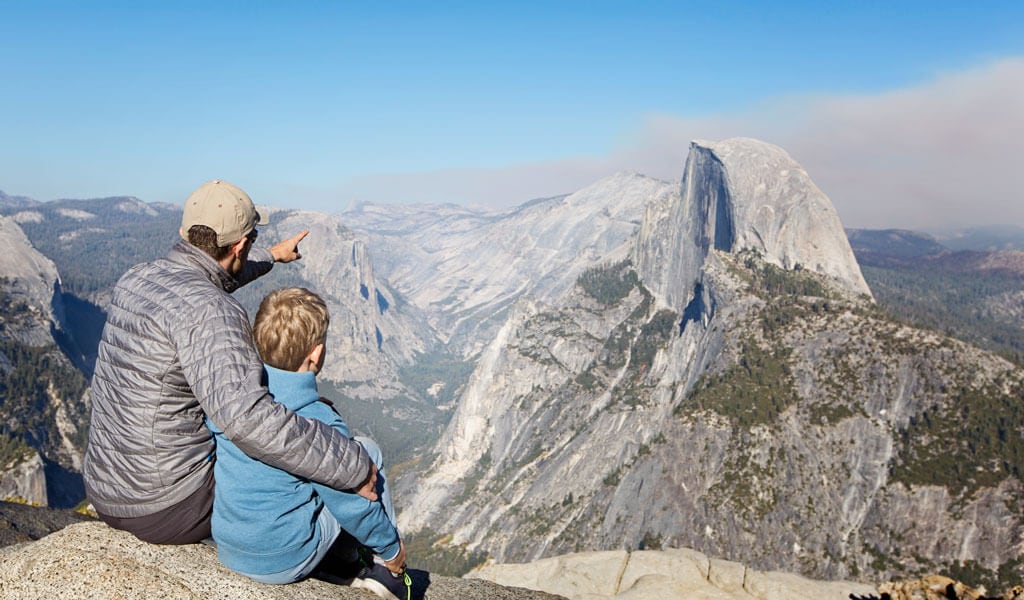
[(682, 574), (91, 560), (775, 208)]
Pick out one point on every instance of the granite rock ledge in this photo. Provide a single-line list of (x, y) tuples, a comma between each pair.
[(91, 560), (681, 573)]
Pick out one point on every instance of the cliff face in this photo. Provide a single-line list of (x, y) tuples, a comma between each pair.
[(43, 398), (731, 388), (30, 281), (774, 208), (23, 477)]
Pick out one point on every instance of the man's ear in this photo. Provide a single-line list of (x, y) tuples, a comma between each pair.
[(239, 247)]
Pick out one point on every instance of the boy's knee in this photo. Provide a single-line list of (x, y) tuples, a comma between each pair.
[(372, 449)]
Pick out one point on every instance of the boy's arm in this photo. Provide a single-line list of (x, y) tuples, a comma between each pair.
[(366, 521)]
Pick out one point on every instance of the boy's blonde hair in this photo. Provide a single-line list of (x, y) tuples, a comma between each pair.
[(289, 324)]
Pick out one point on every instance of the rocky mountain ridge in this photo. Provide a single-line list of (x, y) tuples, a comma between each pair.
[(465, 268), (708, 393), (16, 202)]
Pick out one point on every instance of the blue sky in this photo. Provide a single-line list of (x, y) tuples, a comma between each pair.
[(318, 104)]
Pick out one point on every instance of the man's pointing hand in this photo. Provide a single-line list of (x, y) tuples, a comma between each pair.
[(288, 250)]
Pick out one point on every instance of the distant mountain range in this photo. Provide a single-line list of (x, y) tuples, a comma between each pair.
[(906, 243), (638, 364), (991, 238), (974, 295), (16, 202)]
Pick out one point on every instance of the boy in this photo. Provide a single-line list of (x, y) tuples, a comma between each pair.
[(277, 528)]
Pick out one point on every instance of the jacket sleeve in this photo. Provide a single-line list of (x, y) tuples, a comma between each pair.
[(260, 262), (221, 365)]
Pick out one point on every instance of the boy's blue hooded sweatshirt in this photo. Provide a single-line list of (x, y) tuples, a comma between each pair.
[(264, 519)]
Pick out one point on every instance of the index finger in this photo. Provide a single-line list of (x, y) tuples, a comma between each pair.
[(299, 236)]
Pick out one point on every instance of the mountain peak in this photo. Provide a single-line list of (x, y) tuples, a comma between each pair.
[(777, 210), (744, 194)]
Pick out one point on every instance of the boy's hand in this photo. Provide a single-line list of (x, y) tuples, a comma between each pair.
[(288, 250), (397, 564), (368, 489)]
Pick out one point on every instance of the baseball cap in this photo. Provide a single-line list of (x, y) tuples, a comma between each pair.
[(224, 208)]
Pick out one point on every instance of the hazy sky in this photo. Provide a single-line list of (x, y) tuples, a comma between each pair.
[(907, 113)]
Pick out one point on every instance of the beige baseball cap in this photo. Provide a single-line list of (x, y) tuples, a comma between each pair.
[(223, 207)]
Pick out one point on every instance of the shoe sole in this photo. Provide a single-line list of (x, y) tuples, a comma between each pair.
[(374, 586)]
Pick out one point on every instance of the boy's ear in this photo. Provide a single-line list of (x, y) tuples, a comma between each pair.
[(316, 355)]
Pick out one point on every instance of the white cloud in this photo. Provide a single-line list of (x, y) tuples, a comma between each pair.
[(946, 152)]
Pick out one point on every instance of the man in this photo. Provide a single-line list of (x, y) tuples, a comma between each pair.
[(177, 348)]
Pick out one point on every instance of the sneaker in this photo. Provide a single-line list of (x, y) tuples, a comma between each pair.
[(379, 580)]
